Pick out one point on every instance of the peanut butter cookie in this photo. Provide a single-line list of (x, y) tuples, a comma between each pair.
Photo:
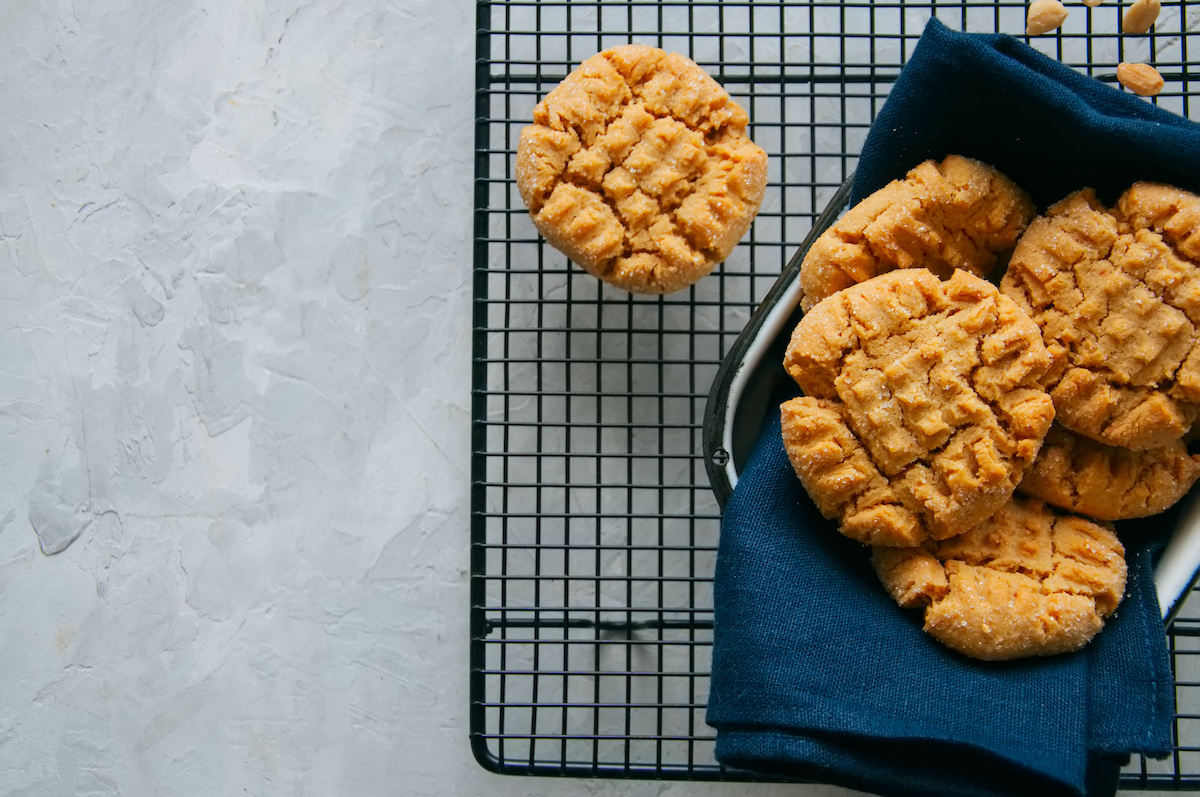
[(957, 214), (1027, 582), (923, 405), (638, 167), (1117, 296), (1109, 483)]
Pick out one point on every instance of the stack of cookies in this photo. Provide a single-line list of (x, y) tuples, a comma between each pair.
[(981, 440)]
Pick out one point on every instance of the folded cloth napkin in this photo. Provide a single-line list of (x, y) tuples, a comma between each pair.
[(1048, 127), (816, 673)]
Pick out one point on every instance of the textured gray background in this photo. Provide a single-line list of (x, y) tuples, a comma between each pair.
[(235, 285)]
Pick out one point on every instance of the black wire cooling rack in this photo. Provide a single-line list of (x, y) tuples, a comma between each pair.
[(593, 527)]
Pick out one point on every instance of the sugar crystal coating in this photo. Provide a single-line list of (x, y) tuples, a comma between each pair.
[(1026, 582)]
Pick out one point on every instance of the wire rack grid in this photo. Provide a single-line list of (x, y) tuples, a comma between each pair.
[(594, 529)]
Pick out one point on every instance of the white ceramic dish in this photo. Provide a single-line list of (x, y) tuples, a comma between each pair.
[(752, 371)]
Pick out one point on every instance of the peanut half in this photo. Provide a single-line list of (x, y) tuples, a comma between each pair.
[(1141, 79), (1044, 16), (1140, 16), (1092, 3)]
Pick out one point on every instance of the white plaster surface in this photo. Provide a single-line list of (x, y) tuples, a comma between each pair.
[(235, 253)]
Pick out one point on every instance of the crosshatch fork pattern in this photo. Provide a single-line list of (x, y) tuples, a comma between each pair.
[(594, 530)]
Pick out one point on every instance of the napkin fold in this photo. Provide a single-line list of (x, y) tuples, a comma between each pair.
[(816, 673), (1051, 129)]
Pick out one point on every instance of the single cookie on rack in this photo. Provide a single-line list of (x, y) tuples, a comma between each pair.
[(957, 214), (638, 167), (923, 405), (1109, 483), (1117, 296), (1027, 582)]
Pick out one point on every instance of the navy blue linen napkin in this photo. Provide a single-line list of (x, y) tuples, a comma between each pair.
[(816, 673), (1048, 127)]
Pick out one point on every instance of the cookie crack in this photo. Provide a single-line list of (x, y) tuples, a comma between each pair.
[(1093, 334), (908, 423), (722, 126), (995, 413)]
